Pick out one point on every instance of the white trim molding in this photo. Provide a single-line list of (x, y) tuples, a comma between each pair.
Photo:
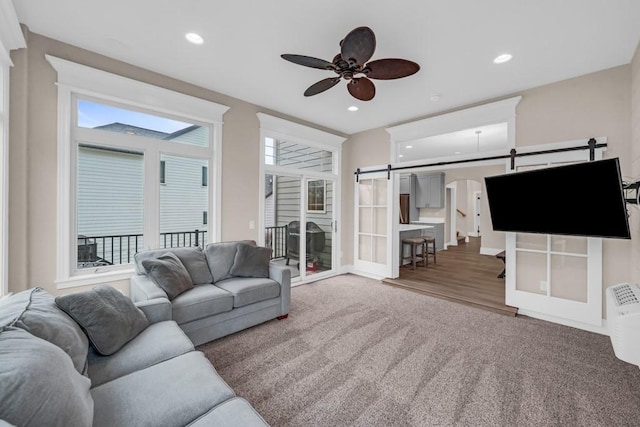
[(495, 112), (304, 134), (11, 36), (76, 80)]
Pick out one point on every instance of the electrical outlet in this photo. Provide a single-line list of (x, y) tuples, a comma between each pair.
[(252, 225), (543, 285)]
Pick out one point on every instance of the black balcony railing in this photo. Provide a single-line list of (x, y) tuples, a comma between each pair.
[(276, 239), (119, 249)]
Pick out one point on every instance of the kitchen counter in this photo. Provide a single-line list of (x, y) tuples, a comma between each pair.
[(409, 227)]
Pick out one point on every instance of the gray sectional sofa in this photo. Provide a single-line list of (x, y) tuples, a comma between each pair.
[(50, 374), (235, 287)]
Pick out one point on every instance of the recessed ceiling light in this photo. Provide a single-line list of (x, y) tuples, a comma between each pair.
[(457, 152), (401, 155), (501, 59), (194, 38), (435, 97), (353, 108), (409, 146)]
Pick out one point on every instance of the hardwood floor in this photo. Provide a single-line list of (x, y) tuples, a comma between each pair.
[(460, 274)]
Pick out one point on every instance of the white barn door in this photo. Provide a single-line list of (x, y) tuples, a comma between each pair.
[(555, 277), (373, 225)]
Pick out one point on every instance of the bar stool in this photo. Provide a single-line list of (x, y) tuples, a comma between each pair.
[(414, 242), (430, 240)]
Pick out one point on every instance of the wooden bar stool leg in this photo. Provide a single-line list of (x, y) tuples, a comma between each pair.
[(434, 251), (413, 256), (425, 254)]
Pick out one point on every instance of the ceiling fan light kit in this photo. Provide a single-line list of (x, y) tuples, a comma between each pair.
[(351, 65)]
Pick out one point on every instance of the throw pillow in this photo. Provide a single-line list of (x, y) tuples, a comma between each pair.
[(109, 318), (35, 311), (168, 272), (251, 261), (39, 385)]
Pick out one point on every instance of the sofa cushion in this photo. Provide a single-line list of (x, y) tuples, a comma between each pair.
[(168, 272), (246, 290), (192, 258), (199, 302), (35, 311), (39, 386), (109, 318), (159, 342), (171, 393), (220, 257), (233, 412), (251, 261)]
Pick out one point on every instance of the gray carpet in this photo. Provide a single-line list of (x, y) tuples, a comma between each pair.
[(355, 352)]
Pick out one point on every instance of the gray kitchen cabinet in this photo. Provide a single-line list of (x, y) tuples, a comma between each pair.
[(430, 191)]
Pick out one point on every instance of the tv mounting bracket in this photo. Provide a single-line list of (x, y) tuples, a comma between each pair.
[(631, 193)]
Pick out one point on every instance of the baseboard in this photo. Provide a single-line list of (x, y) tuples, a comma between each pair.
[(453, 243), (344, 269), (472, 234), (602, 330), (490, 251), (367, 274)]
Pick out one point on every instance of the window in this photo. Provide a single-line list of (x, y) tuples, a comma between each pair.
[(316, 196), (205, 176), (163, 171), (131, 168)]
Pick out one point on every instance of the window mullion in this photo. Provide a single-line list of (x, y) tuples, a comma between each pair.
[(151, 198)]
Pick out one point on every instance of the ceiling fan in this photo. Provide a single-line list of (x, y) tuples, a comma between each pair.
[(351, 64)]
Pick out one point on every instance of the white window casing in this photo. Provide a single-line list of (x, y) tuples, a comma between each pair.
[(75, 80), (11, 38)]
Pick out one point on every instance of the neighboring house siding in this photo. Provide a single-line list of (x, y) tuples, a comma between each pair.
[(183, 198), (110, 196), (194, 135)]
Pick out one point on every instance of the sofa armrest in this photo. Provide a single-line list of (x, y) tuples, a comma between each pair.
[(282, 275), (142, 288), (156, 310)]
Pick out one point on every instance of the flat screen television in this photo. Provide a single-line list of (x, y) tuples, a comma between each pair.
[(581, 199)]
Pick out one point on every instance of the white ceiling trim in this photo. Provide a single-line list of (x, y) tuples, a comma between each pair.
[(302, 133), (91, 81), (495, 112), (11, 36)]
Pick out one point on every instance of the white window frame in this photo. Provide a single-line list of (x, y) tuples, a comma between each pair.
[(11, 38), (284, 130), (75, 80), (4, 178)]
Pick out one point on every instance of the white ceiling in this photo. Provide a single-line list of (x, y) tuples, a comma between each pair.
[(453, 41)]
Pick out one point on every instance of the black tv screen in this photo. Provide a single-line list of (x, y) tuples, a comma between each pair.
[(582, 199)]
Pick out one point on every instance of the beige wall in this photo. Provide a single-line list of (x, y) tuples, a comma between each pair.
[(33, 151), (635, 164)]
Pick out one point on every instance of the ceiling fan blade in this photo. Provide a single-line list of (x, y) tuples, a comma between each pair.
[(388, 69), (362, 88), (358, 46), (321, 86), (308, 61)]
